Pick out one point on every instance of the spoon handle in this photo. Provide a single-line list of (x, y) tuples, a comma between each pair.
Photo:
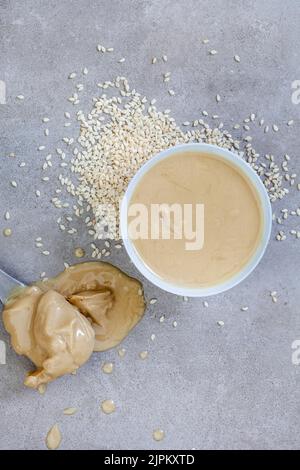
[(7, 284)]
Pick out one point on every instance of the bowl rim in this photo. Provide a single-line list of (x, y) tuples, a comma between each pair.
[(248, 171)]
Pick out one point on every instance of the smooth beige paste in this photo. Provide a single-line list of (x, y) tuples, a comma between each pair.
[(232, 218), (59, 323)]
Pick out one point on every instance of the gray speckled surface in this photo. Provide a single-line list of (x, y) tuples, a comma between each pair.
[(206, 386)]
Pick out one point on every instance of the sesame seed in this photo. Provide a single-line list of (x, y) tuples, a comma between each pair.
[(237, 58), (213, 52), (220, 323), (14, 184), (72, 75), (143, 355), (20, 97), (7, 232), (79, 252), (134, 126)]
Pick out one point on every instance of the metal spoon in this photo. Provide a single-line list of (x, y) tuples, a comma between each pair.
[(7, 284)]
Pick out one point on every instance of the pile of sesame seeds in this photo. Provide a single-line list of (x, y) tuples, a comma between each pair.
[(124, 130)]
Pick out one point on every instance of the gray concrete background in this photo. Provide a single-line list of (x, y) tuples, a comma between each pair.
[(205, 386)]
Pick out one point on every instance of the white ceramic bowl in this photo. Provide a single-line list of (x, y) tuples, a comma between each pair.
[(253, 262)]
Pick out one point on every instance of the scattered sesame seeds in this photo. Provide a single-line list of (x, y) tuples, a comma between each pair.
[(152, 301), (220, 323), (46, 253), (237, 58), (7, 215), (174, 324), (213, 52), (14, 184), (275, 128), (154, 60), (218, 98), (72, 75), (165, 58)]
